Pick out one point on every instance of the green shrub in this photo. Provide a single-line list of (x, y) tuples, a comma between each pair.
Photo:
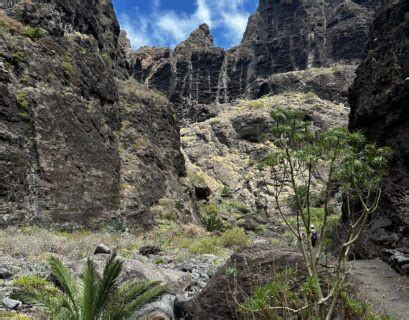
[(10, 315), (211, 218), (22, 100), (235, 238), (207, 245), (278, 292), (30, 282), (67, 66), (226, 192), (32, 32), (18, 56)]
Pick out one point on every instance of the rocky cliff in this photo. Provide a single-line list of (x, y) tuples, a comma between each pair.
[(281, 36), (80, 145), (379, 101)]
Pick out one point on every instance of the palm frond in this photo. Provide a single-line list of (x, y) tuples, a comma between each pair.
[(131, 296), (132, 289), (89, 287), (64, 278), (108, 282), (144, 298), (51, 302)]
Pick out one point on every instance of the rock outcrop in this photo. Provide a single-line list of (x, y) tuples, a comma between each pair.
[(242, 273), (379, 102), (281, 36), (225, 150), (79, 144)]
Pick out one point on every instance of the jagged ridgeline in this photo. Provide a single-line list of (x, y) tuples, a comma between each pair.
[(281, 36)]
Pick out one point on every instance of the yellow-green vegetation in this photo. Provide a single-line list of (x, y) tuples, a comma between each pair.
[(206, 245), (196, 179), (234, 238), (226, 192), (32, 32), (9, 315), (25, 77), (22, 100), (18, 56), (172, 237), (30, 282), (107, 59), (67, 65)]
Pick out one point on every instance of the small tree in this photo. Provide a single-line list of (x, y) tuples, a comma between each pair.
[(92, 297), (355, 166)]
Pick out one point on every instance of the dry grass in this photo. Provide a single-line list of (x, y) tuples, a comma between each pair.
[(193, 230), (12, 25), (37, 244)]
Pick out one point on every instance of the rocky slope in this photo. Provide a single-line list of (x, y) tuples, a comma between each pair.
[(281, 36), (80, 145), (379, 102)]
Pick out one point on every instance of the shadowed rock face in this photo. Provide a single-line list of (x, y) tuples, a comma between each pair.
[(379, 101), (78, 146), (281, 36)]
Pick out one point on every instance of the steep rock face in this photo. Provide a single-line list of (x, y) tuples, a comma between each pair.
[(64, 158), (379, 102), (281, 36)]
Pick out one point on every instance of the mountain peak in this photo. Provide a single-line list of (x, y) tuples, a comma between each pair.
[(199, 38)]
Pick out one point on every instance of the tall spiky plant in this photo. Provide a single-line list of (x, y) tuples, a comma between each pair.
[(92, 297)]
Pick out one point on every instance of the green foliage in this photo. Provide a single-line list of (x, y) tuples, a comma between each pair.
[(107, 59), (207, 245), (18, 56), (278, 292), (32, 32), (93, 296), (9, 315), (22, 100), (310, 289), (353, 165), (30, 282), (226, 192), (211, 218), (354, 307), (67, 66), (235, 238)]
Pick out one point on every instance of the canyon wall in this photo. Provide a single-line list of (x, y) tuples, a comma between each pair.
[(282, 36), (379, 100), (80, 144)]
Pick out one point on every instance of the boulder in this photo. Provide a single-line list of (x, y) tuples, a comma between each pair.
[(177, 281), (102, 249), (162, 309), (397, 260), (12, 304), (5, 272), (148, 250), (253, 266)]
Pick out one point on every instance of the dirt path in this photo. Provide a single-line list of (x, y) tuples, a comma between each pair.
[(383, 287)]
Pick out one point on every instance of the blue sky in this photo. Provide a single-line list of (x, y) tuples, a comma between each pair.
[(165, 23)]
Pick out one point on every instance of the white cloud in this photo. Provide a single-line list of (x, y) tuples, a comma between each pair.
[(168, 28)]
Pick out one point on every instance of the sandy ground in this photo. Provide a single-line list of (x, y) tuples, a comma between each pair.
[(384, 288)]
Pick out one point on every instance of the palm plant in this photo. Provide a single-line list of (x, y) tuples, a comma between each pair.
[(93, 296)]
